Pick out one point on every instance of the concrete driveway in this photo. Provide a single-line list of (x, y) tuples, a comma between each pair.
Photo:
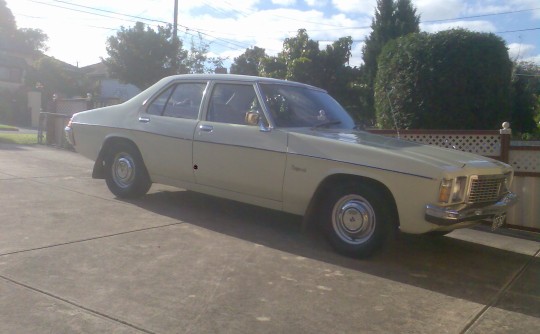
[(73, 259)]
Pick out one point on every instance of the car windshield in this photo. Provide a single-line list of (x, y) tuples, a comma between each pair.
[(292, 106)]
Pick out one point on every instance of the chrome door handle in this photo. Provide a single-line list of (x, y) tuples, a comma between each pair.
[(144, 119), (206, 128)]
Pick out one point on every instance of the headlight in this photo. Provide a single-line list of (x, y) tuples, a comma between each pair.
[(505, 188), (452, 190)]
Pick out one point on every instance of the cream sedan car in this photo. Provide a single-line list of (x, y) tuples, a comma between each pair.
[(290, 147)]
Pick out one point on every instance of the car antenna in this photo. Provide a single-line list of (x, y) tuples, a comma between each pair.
[(392, 110)]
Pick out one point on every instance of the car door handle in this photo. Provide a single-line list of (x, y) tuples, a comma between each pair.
[(144, 119), (206, 128)]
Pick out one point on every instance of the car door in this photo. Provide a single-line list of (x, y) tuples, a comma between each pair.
[(167, 123), (230, 154)]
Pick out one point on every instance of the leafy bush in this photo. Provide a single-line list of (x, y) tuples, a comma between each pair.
[(454, 79)]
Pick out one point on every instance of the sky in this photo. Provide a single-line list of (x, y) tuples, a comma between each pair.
[(78, 29)]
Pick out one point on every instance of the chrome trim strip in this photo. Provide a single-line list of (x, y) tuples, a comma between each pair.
[(134, 130), (366, 166), (239, 146)]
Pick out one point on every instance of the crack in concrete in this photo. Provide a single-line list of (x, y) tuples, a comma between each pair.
[(79, 306), (498, 296), (91, 239)]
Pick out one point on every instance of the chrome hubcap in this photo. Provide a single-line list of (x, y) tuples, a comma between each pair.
[(353, 219), (123, 170)]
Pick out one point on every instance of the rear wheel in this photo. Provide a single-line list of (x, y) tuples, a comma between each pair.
[(125, 173), (355, 221)]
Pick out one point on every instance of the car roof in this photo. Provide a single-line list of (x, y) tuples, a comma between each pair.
[(237, 78)]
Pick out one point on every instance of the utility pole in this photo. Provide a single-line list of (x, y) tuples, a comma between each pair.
[(175, 37), (175, 26)]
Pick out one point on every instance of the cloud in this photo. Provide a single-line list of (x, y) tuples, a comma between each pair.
[(286, 3), (356, 58), (533, 59), (518, 51), (316, 3), (480, 26), (438, 9), (355, 6)]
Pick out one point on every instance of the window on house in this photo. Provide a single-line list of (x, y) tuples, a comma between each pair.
[(10, 74)]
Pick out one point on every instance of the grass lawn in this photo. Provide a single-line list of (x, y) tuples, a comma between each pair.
[(7, 128), (18, 138)]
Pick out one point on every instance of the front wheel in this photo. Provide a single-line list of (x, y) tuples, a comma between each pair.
[(125, 173), (354, 220)]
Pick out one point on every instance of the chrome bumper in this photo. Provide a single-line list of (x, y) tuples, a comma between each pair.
[(445, 216), (69, 135)]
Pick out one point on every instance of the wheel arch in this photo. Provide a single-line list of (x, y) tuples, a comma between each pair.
[(98, 171), (337, 180)]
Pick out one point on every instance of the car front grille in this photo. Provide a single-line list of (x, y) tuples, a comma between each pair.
[(486, 188)]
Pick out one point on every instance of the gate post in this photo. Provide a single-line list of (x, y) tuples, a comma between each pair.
[(506, 136)]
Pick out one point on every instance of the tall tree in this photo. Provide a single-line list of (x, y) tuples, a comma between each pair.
[(141, 55), (197, 59), (248, 62), (7, 20), (455, 79), (392, 20), (525, 98), (56, 77), (298, 61), (300, 54), (302, 60), (273, 67), (33, 40), (24, 40)]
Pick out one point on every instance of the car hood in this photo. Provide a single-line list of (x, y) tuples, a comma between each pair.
[(363, 148)]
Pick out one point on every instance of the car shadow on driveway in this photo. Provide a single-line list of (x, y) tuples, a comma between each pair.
[(445, 265)]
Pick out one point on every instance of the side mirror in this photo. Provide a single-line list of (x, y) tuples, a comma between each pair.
[(252, 118)]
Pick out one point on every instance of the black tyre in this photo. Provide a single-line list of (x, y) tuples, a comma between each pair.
[(125, 173), (355, 220)]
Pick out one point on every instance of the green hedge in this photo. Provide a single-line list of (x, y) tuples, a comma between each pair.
[(454, 79)]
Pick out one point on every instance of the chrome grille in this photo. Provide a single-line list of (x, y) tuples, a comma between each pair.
[(486, 188)]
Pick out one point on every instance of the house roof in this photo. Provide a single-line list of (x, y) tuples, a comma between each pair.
[(96, 70)]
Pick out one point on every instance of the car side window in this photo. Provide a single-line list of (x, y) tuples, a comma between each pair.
[(233, 103), (158, 105), (180, 101)]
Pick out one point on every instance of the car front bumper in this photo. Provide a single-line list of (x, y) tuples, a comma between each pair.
[(69, 135), (451, 215)]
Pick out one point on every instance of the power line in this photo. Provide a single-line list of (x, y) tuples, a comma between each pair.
[(445, 20), (227, 45), (482, 15), (80, 11), (230, 44), (520, 30), (105, 11), (151, 20)]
